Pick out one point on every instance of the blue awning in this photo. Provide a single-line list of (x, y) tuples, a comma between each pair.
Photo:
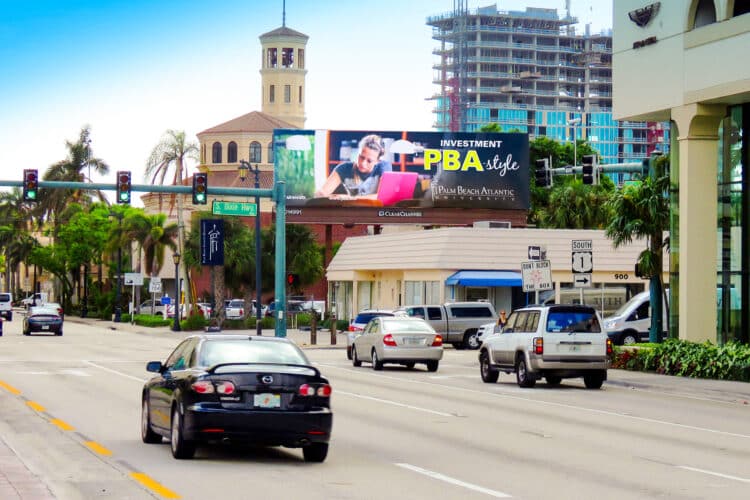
[(485, 278)]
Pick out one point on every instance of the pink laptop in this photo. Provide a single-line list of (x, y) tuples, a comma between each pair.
[(396, 186)]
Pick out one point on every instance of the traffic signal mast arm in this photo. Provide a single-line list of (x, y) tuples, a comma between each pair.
[(633, 168)]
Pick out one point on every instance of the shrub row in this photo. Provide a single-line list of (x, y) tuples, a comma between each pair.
[(688, 359), (198, 322)]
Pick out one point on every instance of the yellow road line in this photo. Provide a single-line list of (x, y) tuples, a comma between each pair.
[(97, 448), (62, 425), (36, 406), (9, 388), (149, 483)]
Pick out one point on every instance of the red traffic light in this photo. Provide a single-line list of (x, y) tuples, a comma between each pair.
[(292, 279)]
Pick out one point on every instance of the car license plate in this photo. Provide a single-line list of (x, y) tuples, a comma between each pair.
[(266, 400), (412, 341), (45, 327)]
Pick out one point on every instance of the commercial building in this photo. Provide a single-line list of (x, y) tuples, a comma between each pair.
[(682, 61), (532, 72)]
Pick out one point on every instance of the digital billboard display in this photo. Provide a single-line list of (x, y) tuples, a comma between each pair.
[(403, 169)]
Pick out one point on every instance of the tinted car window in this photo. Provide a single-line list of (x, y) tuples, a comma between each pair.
[(244, 351), (366, 317), (471, 312), (4, 297), (434, 313), (572, 321)]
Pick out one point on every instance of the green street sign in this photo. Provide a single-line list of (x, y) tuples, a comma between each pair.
[(234, 208)]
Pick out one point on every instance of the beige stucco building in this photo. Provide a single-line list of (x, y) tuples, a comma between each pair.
[(683, 61)]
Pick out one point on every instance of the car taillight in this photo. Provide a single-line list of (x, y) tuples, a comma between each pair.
[(203, 387), (353, 328), (538, 345), (225, 387), (323, 390), (388, 340), (610, 349), (438, 341)]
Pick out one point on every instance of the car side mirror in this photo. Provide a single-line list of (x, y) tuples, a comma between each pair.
[(154, 366)]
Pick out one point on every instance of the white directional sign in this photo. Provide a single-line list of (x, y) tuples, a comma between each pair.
[(536, 275), (154, 285), (582, 257), (581, 280), (134, 279)]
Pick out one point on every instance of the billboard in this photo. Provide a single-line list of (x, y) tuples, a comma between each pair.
[(403, 169)]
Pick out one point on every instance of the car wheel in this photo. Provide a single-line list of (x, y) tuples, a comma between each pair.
[(471, 340), (181, 447), (432, 366), (10, 317), (59, 334), (376, 363), (148, 435), (315, 452), (629, 339), (489, 374), (355, 359), (459, 346), (25, 332), (553, 380), (349, 352), (593, 380), (523, 377)]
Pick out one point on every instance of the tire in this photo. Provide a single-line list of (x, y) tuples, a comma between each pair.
[(553, 380), (349, 352), (59, 334), (593, 380), (488, 373), (181, 447), (147, 434), (459, 346), (629, 338), (410, 365), (471, 341), (26, 332), (432, 366), (523, 377), (10, 316), (315, 452), (355, 359), (376, 363)]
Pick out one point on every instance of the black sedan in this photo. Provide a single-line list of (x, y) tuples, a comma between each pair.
[(237, 389), (42, 319)]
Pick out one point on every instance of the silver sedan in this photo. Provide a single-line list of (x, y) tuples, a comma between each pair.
[(398, 340)]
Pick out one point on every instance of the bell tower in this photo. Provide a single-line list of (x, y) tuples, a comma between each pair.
[(283, 74)]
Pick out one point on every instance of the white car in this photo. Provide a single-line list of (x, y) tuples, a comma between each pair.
[(235, 309), (485, 331), (156, 308)]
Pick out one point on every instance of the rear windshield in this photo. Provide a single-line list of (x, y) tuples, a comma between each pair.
[(366, 317), (244, 351), (567, 321), (4, 297)]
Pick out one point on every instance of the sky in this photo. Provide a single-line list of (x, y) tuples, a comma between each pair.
[(133, 69)]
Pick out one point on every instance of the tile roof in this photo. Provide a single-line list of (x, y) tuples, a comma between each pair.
[(284, 31), (255, 121)]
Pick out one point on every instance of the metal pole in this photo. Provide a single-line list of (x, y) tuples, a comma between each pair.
[(280, 287), (84, 304), (176, 326), (258, 256), (118, 309)]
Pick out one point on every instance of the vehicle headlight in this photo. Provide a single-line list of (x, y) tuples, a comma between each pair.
[(610, 324)]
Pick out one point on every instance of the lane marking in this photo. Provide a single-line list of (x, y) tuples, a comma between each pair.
[(546, 403), (96, 447), (711, 473), (394, 403), (9, 388), (62, 425), (36, 406), (110, 370), (457, 482), (157, 488)]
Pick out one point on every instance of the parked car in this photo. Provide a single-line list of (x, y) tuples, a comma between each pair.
[(42, 319), (156, 308), (457, 322), (231, 388), (235, 309), (292, 307), (36, 299), (400, 340), (6, 306), (204, 308), (358, 324), (552, 341)]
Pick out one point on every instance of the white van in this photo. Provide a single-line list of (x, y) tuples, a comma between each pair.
[(37, 298), (6, 305), (631, 322)]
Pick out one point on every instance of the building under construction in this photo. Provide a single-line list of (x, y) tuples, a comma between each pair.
[(530, 71)]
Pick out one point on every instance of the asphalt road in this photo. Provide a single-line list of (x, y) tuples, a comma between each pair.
[(70, 413)]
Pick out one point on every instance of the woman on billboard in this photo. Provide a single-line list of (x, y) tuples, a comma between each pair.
[(359, 178)]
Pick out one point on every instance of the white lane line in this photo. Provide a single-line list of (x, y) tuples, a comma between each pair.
[(110, 370), (711, 473), (394, 403), (457, 482)]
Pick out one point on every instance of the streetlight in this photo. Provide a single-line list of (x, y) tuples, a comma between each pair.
[(574, 122), (176, 260), (244, 169), (118, 309)]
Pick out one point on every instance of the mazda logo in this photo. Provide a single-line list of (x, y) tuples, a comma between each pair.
[(267, 379)]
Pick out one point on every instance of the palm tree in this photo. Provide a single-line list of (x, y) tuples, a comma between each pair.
[(574, 205), (170, 154), (15, 219), (642, 211)]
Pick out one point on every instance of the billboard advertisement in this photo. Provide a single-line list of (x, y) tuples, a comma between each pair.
[(403, 169)]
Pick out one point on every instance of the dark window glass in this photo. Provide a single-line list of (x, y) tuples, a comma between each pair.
[(434, 313), (255, 152), (216, 153), (271, 93), (705, 13), (270, 152), (232, 152)]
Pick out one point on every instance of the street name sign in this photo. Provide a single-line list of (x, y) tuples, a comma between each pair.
[(536, 275), (234, 208)]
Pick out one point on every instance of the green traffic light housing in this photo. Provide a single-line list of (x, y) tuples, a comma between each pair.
[(200, 188), (123, 186), (30, 184)]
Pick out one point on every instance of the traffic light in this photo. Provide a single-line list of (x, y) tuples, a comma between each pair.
[(589, 169), (542, 173), (292, 279), (30, 184), (200, 188), (123, 187)]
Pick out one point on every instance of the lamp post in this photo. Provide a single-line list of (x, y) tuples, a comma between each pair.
[(575, 122), (176, 259), (244, 169), (118, 309)]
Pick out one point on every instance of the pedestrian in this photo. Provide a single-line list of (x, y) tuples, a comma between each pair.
[(502, 319)]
